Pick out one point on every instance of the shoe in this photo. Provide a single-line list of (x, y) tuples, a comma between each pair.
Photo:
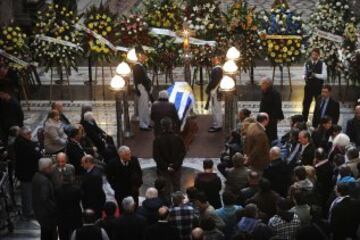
[(214, 129), (145, 129)]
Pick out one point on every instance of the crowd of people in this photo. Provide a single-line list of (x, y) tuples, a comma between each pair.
[(77, 185), (304, 185)]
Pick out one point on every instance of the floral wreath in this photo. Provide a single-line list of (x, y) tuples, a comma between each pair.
[(57, 23), (14, 42), (101, 21), (282, 34)]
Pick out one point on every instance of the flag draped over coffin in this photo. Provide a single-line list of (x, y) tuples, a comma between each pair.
[(182, 96)]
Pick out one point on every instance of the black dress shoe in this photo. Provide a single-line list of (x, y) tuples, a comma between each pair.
[(213, 129), (145, 129)]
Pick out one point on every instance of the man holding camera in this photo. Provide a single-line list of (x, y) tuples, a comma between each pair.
[(315, 72)]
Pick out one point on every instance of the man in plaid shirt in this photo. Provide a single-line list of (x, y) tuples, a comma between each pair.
[(284, 223), (182, 216)]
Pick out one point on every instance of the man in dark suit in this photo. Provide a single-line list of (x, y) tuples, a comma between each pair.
[(11, 114), (307, 150), (326, 106), (129, 225), (124, 175), (212, 90), (68, 197), (44, 203), (343, 214), (209, 183), (162, 230), (93, 194), (61, 168), (74, 150), (169, 152), (163, 108), (277, 172), (27, 155), (353, 127), (102, 141), (271, 104)]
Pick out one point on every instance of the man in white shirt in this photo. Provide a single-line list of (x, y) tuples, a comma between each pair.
[(315, 72)]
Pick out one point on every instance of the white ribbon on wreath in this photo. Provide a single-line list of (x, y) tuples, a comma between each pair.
[(58, 41), (14, 59), (329, 36), (179, 39)]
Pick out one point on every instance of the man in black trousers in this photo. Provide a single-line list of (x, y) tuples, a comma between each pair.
[(315, 72), (93, 194), (44, 203), (124, 175), (169, 152), (326, 106), (271, 104)]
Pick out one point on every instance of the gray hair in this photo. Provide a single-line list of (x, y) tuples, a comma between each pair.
[(123, 148), (151, 193), (128, 204), (44, 163), (89, 116), (341, 140), (163, 94), (266, 80)]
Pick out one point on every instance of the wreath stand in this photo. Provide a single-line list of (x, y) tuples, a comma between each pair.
[(60, 81), (281, 68)]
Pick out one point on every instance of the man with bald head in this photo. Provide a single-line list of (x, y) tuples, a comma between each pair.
[(353, 127), (60, 169), (162, 230), (271, 104), (277, 172)]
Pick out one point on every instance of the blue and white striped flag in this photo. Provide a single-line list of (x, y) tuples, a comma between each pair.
[(182, 96)]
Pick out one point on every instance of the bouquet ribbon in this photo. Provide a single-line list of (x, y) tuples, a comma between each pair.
[(14, 59), (283, 37), (95, 35), (58, 41), (103, 40), (178, 39), (329, 36)]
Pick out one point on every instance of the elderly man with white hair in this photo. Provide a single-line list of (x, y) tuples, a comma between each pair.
[(130, 225), (44, 204), (163, 108), (150, 206), (124, 175), (271, 104), (102, 141)]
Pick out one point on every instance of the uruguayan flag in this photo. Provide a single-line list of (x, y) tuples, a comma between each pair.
[(182, 96)]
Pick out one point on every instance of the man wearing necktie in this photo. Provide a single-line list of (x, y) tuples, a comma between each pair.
[(61, 168), (315, 72), (326, 106)]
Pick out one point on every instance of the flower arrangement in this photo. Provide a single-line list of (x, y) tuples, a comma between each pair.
[(134, 31), (101, 21), (335, 17), (243, 32), (163, 14), (57, 23), (14, 41), (282, 34), (204, 19)]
